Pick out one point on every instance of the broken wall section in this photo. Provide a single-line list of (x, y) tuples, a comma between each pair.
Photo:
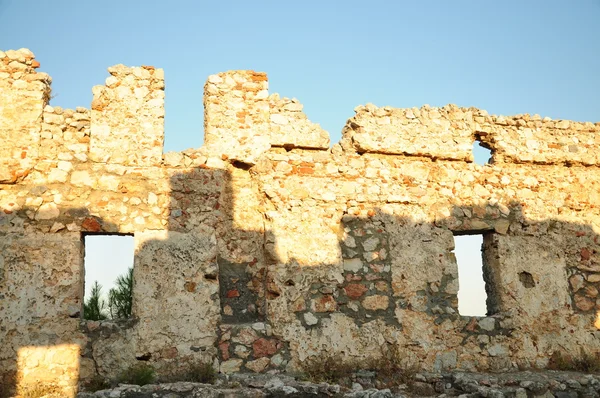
[(533, 139), (23, 95), (127, 117), (241, 120), (449, 132), (65, 138)]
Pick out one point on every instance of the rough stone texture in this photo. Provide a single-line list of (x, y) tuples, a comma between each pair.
[(290, 128), (241, 120), (264, 248), (447, 384), (448, 133), (444, 133), (128, 117), (23, 93)]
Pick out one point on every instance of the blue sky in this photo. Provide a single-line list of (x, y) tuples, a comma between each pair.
[(508, 57)]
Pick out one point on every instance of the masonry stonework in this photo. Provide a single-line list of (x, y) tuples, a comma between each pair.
[(267, 247)]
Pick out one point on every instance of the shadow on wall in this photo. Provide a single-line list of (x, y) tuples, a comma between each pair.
[(540, 281), (212, 284), (41, 287), (177, 309)]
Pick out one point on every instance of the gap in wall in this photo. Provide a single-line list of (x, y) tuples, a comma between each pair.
[(472, 296), (107, 257), (481, 154)]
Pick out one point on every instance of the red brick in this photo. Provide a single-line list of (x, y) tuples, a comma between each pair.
[(91, 224), (224, 348), (305, 170)]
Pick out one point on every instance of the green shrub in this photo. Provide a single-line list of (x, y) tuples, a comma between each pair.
[(139, 374)]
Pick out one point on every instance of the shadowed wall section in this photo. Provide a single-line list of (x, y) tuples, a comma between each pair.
[(265, 247)]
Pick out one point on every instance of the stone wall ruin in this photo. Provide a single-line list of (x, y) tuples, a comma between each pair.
[(266, 246)]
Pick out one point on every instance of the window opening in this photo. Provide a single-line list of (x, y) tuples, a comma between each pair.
[(108, 282), (472, 296), (481, 154)]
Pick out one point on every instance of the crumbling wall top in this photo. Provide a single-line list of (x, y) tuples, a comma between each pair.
[(242, 121), (125, 125), (449, 132)]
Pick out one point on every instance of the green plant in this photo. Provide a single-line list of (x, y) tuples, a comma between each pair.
[(94, 307), (96, 383), (120, 298), (584, 362), (139, 374)]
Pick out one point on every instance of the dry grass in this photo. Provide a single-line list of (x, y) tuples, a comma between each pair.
[(328, 369), (10, 387), (390, 367), (8, 381), (584, 362), (200, 372), (96, 383), (393, 367), (39, 391)]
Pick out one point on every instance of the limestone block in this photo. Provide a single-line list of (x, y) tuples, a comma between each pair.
[(528, 275), (236, 115), (525, 138), (413, 249), (290, 128), (115, 136), (23, 96), (241, 121), (440, 133), (174, 277), (51, 366)]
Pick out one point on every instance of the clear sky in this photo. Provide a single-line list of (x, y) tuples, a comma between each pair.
[(508, 57)]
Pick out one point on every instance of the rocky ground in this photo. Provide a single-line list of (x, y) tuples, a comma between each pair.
[(558, 384)]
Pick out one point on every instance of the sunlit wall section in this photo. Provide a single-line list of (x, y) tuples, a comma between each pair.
[(44, 370)]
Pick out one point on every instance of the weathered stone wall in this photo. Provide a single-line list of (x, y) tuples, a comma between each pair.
[(23, 93), (265, 247)]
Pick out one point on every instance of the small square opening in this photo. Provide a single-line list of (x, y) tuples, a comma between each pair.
[(108, 281), (473, 290), (482, 155)]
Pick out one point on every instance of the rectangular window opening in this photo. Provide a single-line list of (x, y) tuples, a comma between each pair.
[(482, 154), (472, 292), (108, 281)]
